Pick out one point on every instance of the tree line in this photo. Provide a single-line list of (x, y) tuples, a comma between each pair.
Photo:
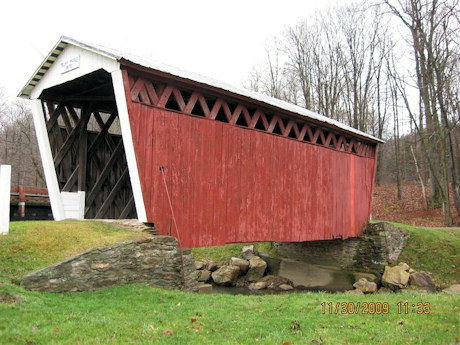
[(389, 68)]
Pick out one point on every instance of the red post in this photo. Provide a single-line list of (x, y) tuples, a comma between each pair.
[(22, 202)]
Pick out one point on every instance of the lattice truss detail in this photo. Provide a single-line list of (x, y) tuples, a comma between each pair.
[(171, 97), (88, 155)]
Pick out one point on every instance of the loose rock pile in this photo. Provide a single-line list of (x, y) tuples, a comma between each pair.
[(397, 278), (246, 271)]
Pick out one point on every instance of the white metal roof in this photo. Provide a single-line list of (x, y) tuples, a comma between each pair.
[(177, 72)]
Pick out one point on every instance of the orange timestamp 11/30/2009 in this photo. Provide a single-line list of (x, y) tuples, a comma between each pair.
[(375, 308)]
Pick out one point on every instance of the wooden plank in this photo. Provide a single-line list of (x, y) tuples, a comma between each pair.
[(352, 193), (67, 145), (236, 114), (221, 187), (101, 135), (128, 209), (83, 149), (215, 109), (165, 96), (186, 135), (208, 172), (163, 213), (204, 106), (255, 118), (153, 96), (54, 115), (225, 180), (113, 193), (104, 174), (73, 114), (71, 180), (66, 120), (136, 89), (287, 189), (233, 168), (146, 164), (247, 117), (179, 98), (173, 157), (272, 124), (191, 103)]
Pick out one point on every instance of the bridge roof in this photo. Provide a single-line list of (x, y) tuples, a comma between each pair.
[(125, 58)]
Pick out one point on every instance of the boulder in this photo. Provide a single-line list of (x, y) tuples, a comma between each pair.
[(368, 276), (365, 286), (213, 266), (395, 277), (248, 252), (454, 289), (423, 280), (257, 268), (274, 282), (226, 275), (273, 264), (258, 285), (204, 275), (199, 265), (404, 266), (286, 287), (241, 263)]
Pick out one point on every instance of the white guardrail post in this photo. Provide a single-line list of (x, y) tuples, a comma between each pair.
[(5, 187)]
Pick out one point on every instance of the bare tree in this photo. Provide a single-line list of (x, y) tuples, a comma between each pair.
[(433, 27), (333, 64), (18, 146)]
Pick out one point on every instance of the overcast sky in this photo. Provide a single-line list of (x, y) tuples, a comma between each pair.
[(220, 39)]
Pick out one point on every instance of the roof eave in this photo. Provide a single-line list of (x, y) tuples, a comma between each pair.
[(26, 91), (133, 65)]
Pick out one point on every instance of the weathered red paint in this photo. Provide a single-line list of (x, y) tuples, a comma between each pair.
[(231, 184)]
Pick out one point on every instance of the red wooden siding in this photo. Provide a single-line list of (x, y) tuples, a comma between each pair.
[(233, 184)]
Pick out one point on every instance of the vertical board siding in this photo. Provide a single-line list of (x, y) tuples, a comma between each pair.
[(230, 184)]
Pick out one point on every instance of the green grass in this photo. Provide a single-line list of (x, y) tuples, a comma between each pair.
[(224, 253), (33, 245), (143, 315), (137, 314), (433, 250)]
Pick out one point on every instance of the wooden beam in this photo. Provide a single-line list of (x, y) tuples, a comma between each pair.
[(67, 145), (105, 206), (74, 115), (66, 120), (83, 149), (54, 116), (101, 135), (128, 208), (107, 169), (71, 181)]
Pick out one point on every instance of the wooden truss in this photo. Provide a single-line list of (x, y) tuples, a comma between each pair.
[(88, 154), (195, 103)]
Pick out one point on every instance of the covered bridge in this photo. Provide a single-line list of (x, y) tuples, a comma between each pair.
[(238, 166)]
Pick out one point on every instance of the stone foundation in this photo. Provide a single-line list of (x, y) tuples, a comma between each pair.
[(380, 245), (155, 261)]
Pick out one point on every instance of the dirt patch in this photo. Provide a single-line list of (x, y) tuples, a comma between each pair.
[(8, 299)]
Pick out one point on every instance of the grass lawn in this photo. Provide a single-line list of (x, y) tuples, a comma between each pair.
[(36, 244), (137, 314), (433, 250)]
